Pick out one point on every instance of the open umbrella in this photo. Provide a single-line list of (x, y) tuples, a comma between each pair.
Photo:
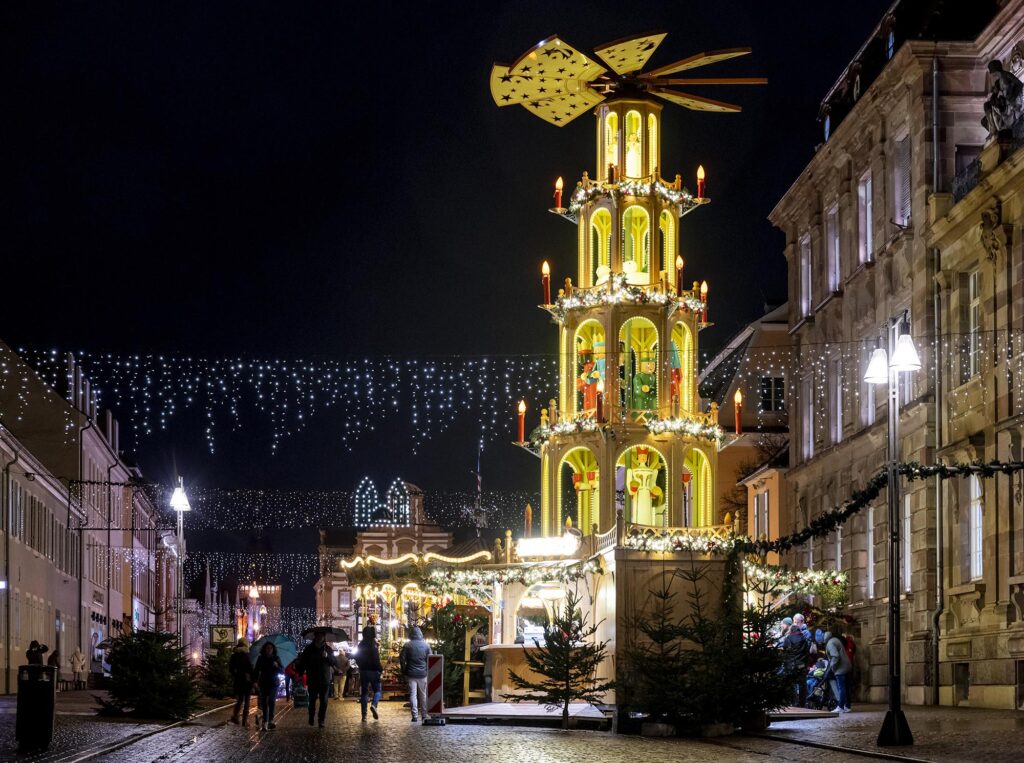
[(287, 651), (332, 634)]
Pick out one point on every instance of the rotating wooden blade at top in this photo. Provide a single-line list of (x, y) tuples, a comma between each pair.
[(694, 102), (554, 59), (554, 100), (700, 59), (629, 54)]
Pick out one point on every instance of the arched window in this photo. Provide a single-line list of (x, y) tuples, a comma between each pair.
[(589, 367), (652, 144), (600, 244), (700, 489), (667, 225), (644, 476), (581, 484), (639, 370), (611, 141), (634, 144), (636, 245), (682, 370)]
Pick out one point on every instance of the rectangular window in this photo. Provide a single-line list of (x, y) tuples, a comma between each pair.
[(906, 543), (810, 554), (973, 324), (344, 599), (839, 548), (764, 513), (977, 527), (868, 391), (836, 389), (865, 220), (757, 515), (832, 248), (805, 276), (869, 533), (773, 394), (807, 419), (901, 183)]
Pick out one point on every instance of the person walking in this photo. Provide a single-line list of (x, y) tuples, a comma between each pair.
[(318, 663), (268, 668), (368, 660), (34, 653), (797, 649), (77, 663), (413, 662), (839, 667), (240, 669)]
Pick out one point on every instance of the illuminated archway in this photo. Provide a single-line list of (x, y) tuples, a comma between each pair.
[(636, 245), (667, 227), (682, 368), (652, 145), (580, 465), (611, 140), (600, 245), (700, 490), (642, 479), (588, 366), (634, 131), (536, 609), (639, 367)]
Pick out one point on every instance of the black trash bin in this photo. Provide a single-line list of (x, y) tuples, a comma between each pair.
[(37, 699)]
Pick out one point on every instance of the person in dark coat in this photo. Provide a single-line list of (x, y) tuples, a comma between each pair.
[(318, 663), (35, 652), (268, 668), (368, 660), (797, 649), (240, 669), (413, 659)]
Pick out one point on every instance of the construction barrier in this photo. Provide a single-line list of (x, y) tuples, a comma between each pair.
[(435, 684)]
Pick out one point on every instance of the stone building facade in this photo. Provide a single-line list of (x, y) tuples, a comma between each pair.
[(975, 228), (859, 253)]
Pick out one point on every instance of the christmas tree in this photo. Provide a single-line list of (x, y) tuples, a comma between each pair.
[(567, 662)]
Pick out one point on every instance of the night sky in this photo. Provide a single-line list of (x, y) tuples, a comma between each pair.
[(287, 179)]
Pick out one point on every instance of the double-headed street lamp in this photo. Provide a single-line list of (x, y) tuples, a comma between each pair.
[(180, 504), (884, 368)]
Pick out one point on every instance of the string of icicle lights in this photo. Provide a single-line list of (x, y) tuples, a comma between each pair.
[(148, 391)]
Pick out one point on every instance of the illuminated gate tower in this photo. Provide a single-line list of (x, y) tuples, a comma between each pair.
[(628, 429)]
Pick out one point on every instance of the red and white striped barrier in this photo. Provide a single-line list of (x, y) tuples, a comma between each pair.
[(435, 684)]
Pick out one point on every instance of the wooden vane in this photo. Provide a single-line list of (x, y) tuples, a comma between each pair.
[(558, 83)]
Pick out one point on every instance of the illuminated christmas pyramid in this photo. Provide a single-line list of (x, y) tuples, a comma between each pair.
[(628, 431)]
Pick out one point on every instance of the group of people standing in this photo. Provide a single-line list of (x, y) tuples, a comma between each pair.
[(34, 656), (804, 650), (319, 665)]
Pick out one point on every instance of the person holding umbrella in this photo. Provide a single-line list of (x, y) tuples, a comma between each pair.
[(319, 663), (268, 668)]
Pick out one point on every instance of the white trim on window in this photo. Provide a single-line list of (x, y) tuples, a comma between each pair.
[(806, 280), (869, 533), (865, 219), (977, 527)]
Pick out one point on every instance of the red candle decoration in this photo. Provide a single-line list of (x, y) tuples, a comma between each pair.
[(522, 421), (737, 400), (679, 275), (558, 193), (545, 278), (704, 299), (700, 181), (600, 401)]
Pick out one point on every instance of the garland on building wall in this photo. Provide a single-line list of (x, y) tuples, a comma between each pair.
[(797, 581), (821, 526)]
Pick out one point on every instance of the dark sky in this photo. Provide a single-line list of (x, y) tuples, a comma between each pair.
[(280, 178)]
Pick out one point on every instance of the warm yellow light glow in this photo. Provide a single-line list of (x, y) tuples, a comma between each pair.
[(679, 263), (700, 172), (738, 398), (545, 269), (564, 545), (522, 406), (600, 386), (551, 594), (703, 288), (254, 592), (431, 556), (558, 183), (377, 560)]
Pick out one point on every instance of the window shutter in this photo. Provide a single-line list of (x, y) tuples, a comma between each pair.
[(902, 181), (963, 503)]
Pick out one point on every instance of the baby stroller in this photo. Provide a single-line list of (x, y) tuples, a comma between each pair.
[(819, 687)]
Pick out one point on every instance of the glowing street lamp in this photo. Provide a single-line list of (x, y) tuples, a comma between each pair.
[(884, 367), (180, 504), (737, 400)]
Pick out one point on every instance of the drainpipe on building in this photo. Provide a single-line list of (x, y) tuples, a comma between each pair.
[(81, 536), (940, 592), (7, 569), (110, 550)]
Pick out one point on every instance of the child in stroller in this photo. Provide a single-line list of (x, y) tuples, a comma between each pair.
[(819, 689)]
